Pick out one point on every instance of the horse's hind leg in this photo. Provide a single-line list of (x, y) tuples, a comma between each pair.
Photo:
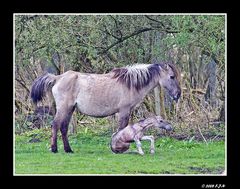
[(139, 146), (64, 129), (55, 127), (61, 121), (151, 139)]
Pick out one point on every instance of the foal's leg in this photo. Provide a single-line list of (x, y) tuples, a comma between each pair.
[(151, 138), (139, 146)]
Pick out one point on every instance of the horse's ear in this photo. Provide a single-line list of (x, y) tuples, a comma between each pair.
[(166, 66)]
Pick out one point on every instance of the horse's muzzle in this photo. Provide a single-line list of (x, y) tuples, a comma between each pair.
[(176, 97)]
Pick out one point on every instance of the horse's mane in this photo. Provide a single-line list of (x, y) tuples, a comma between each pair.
[(139, 75), (136, 76)]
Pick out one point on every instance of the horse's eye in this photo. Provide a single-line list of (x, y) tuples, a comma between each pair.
[(172, 77), (161, 121)]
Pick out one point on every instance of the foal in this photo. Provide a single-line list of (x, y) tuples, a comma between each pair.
[(121, 140)]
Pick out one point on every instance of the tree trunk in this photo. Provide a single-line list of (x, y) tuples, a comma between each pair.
[(157, 100), (193, 81), (163, 112), (222, 113), (211, 89)]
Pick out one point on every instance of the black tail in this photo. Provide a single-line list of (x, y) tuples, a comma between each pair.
[(41, 85)]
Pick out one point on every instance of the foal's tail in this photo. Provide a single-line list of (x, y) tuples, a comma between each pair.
[(41, 85)]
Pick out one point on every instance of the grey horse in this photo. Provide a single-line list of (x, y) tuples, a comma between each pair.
[(101, 95)]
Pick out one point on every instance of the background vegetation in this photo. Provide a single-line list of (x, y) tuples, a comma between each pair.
[(99, 43)]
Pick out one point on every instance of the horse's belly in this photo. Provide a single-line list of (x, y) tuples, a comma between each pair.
[(94, 110)]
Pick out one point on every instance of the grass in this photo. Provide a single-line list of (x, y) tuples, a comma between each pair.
[(92, 155)]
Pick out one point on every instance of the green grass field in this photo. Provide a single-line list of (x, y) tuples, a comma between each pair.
[(92, 155)]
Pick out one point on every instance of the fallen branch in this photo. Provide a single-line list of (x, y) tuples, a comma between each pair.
[(199, 91), (189, 114), (202, 135), (215, 122), (215, 137), (85, 122)]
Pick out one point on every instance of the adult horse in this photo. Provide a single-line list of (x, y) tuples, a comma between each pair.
[(101, 95)]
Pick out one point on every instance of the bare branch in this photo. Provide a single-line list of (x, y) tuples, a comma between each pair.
[(117, 26), (125, 38), (148, 17), (23, 85), (161, 26), (55, 66), (106, 30)]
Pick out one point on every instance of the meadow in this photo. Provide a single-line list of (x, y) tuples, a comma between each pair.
[(92, 155)]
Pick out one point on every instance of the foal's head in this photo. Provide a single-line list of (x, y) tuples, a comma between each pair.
[(163, 124), (169, 79), (158, 122)]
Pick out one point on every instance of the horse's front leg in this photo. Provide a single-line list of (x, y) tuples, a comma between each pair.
[(151, 138), (123, 118)]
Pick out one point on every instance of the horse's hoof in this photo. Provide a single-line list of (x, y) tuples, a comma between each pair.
[(152, 152), (141, 153), (69, 151), (54, 150)]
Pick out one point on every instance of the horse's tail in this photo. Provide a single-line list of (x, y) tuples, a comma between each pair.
[(41, 85)]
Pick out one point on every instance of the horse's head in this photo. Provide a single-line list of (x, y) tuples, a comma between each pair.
[(170, 80), (163, 124)]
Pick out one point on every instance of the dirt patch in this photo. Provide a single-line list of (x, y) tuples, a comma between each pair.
[(205, 170), (197, 137), (34, 140)]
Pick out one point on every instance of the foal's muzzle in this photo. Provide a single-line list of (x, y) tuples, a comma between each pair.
[(168, 127)]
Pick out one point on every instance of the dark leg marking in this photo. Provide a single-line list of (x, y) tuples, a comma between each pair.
[(54, 136), (64, 130)]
